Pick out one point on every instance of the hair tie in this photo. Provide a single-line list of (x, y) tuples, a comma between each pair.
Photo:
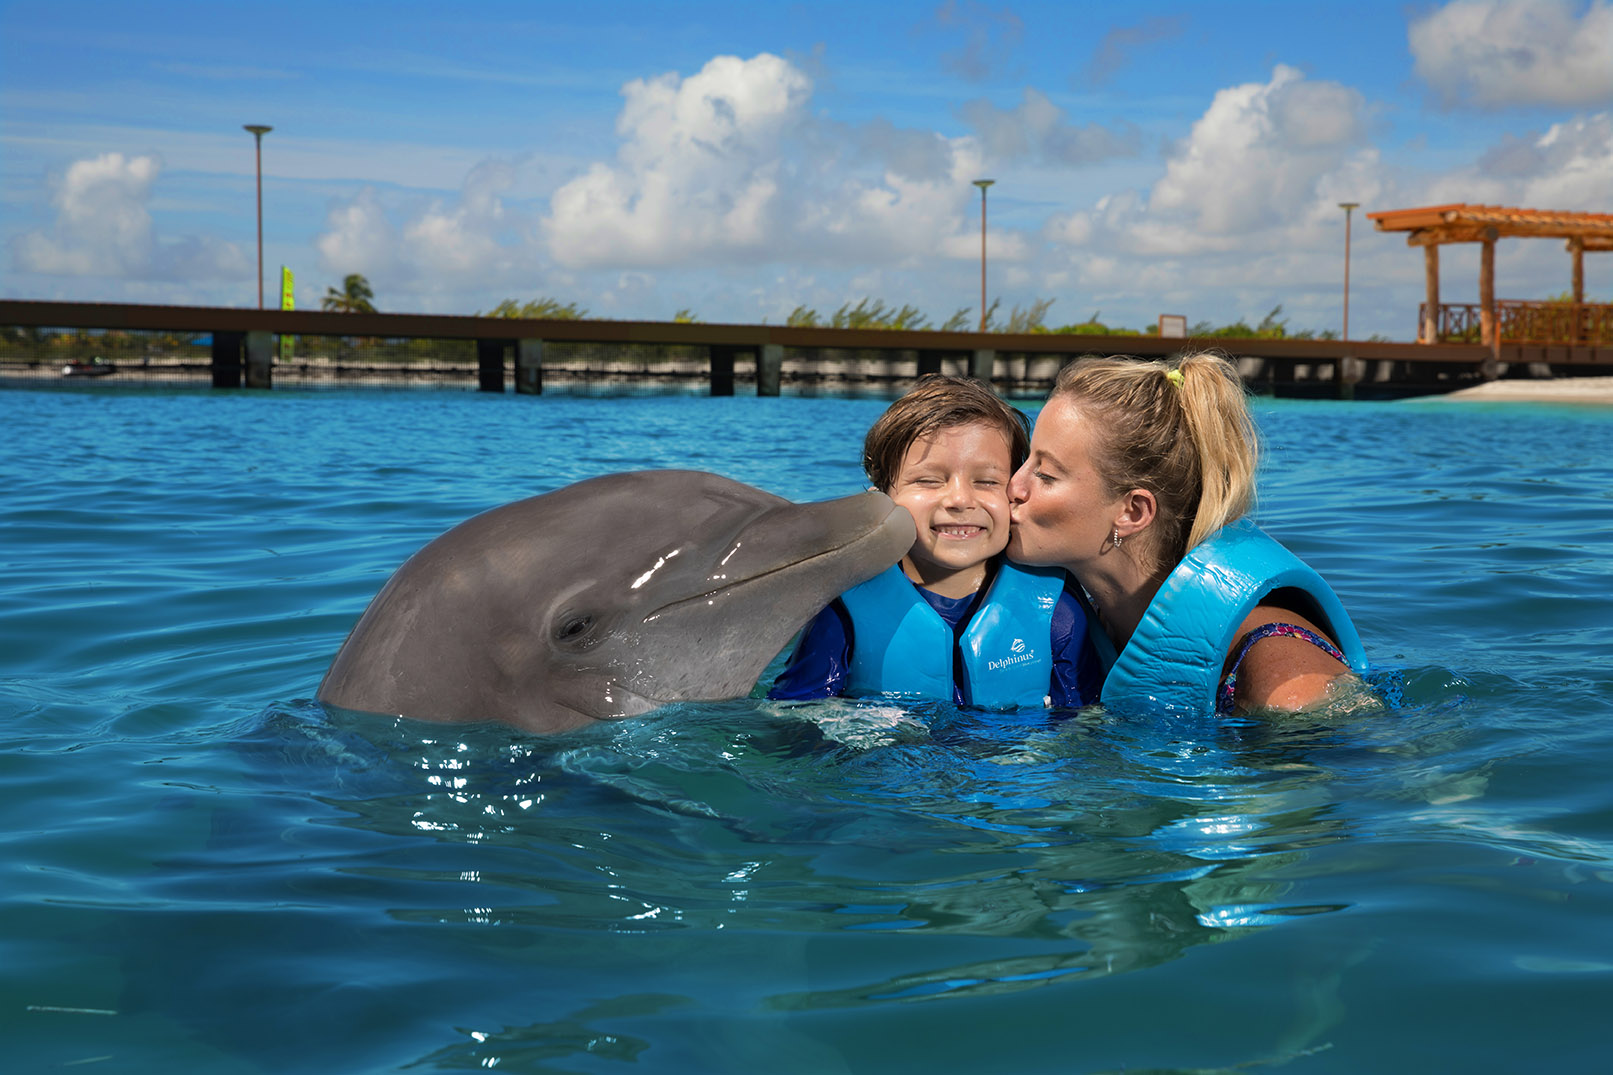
[(1174, 377)]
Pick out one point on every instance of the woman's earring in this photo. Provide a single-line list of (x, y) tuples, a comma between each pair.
[(1115, 539)]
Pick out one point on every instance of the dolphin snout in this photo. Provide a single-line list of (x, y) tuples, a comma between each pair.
[(792, 533)]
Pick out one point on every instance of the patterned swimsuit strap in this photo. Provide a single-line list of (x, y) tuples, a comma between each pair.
[(1223, 702)]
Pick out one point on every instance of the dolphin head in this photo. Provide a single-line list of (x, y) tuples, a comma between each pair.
[(607, 598)]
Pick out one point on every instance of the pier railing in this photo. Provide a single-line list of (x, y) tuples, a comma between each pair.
[(1587, 323)]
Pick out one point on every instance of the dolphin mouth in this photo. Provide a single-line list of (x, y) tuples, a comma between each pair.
[(630, 703), (729, 586)]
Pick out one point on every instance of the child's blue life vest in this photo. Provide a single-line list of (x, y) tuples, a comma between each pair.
[(902, 646)]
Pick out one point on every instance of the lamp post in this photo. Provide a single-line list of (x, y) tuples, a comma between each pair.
[(983, 184), (258, 131), (1348, 208)]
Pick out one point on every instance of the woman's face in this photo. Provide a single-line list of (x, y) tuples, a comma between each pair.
[(1062, 513)]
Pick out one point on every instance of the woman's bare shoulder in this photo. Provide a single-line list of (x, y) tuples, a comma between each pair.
[(1283, 671)]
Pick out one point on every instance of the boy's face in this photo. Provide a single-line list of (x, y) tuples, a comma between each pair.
[(955, 485)]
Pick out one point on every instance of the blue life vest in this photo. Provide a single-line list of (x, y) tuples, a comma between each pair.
[(1173, 660), (900, 645)]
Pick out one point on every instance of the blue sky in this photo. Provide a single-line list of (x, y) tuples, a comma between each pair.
[(737, 160)]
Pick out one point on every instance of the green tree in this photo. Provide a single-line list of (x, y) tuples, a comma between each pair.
[(355, 297), (545, 309), (1092, 326), (1029, 319), (873, 313), (1270, 328), (991, 315)]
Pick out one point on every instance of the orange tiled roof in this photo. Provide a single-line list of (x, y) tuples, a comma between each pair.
[(1506, 220)]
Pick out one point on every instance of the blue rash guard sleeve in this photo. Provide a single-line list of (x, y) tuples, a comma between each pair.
[(1077, 672), (817, 668), (820, 664)]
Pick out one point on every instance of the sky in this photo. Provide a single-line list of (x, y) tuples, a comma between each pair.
[(735, 161)]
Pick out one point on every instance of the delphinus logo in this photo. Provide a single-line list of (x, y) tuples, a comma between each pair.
[(1021, 654)]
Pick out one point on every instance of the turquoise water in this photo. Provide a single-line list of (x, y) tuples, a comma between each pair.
[(205, 871)]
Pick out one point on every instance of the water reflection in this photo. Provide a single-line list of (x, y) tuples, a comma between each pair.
[(777, 861), (1101, 849)]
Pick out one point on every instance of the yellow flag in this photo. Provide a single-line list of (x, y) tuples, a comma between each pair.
[(287, 302)]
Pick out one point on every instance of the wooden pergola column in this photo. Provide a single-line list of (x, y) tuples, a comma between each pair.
[(1576, 247), (1489, 332), (1430, 327)]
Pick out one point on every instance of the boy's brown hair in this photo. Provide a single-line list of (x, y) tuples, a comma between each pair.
[(937, 403)]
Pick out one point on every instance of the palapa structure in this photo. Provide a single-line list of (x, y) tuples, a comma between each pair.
[(1573, 323)]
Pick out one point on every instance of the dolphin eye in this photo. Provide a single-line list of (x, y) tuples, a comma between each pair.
[(573, 628)]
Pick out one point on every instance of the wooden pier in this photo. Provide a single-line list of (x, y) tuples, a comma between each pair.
[(243, 349)]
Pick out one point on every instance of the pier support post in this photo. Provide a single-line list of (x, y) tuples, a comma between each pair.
[(260, 348), (769, 368), (490, 365), (227, 359), (981, 363), (1347, 373), (930, 362), (722, 369), (529, 367)]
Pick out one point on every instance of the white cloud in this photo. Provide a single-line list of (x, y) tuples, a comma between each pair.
[(990, 38), (906, 152), (103, 228), (473, 240), (699, 171), (1257, 154), (464, 239), (1244, 217), (728, 166), (1576, 165), (1567, 168), (1114, 52), (725, 169), (1037, 129), (1264, 163), (357, 238), (1496, 53)]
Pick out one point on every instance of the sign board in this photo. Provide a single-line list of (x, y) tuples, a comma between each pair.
[(1172, 326)]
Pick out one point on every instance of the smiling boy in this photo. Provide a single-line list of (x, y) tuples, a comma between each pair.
[(952, 620)]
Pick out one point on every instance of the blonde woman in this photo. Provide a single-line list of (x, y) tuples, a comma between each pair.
[(1137, 482)]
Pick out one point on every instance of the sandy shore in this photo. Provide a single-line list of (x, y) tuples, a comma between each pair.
[(1588, 390)]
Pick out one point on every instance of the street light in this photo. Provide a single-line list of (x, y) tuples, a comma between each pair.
[(983, 184), (1348, 208), (258, 131)]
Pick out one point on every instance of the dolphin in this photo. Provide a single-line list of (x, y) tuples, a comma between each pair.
[(606, 599)]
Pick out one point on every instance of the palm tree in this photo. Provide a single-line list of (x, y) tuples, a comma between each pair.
[(355, 297)]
